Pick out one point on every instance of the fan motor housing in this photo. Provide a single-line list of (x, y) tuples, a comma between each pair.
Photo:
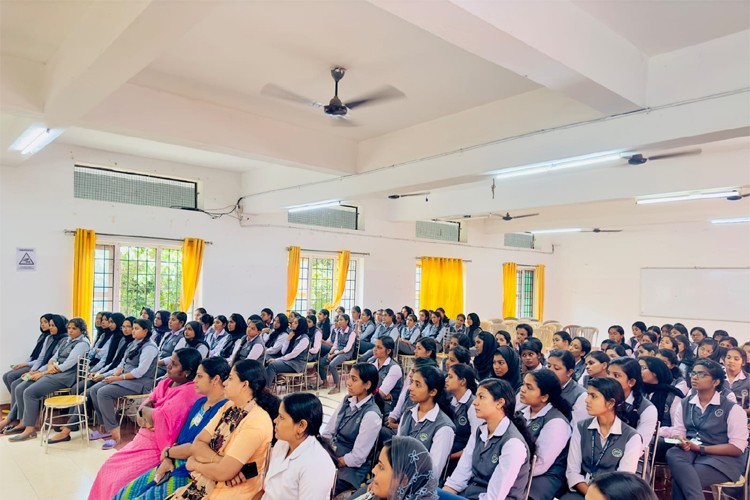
[(335, 109)]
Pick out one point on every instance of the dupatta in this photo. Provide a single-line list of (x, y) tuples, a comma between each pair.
[(169, 414)]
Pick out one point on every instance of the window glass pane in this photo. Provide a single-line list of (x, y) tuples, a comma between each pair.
[(350, 290), (321, 282), (103, 280), (417, 287)]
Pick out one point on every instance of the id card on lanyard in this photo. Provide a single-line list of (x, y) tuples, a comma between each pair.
[(594, 461)]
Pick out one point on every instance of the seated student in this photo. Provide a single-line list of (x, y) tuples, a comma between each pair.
[(390, 375), (548, 417), (709, 349), (199, 311), (698, 334), (486, 346), (713, 434), (457, 354), (506, 365), (403, 471), (668, 342), (221, 335), (647, 350), (502, 337), (43, 351), (669, 358), (649, 338), (523, 333), (387, 328), (404, 403), (316, 337), (430, 419), (354, 427), (135, 375), (237, 330), (580, 347), (251, 346), (496, 461), (209, 333), (302, 464), (728, 342), (237, 435), (620, 486), (276, 341), (615, 445), (161, 325), (156, 446), (737, 381), (561, 363), (192, 336), (460, 326), (720, 335), (639, 412), (666, 398), (100, 344), (266, 316), (475, 326), (177, 322), (343, 350), (685, 355), (367, 330), (596, 367), (531, 355), (437, 330), (294, 358), (104, 356), (561, 340), (615, 351), (59, 373), (461, 385), (637, 328), (617, 335), (409, 336), (461, 339)]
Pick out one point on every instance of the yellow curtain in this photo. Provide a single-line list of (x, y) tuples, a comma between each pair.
[(442, 285), (292, 277), (83, 274), (192, 261), (339, 282), (509, 290), (539, 299)]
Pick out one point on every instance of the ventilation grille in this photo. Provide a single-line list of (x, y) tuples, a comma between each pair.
[(433, 230), (341, 217), (519, 240), (93, 183)]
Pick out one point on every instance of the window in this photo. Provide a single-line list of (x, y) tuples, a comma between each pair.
[(525, 292), (418, 287), (439, 230), (519, 240), (129, 277), (315, 286), (103, 184), (339, 217)]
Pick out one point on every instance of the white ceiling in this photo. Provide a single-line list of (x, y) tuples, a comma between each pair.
[(488, 86)]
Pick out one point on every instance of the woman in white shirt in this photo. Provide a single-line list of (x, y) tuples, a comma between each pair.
[(302, 464)]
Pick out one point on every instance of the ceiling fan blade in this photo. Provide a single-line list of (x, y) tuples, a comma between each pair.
[(385, 94), (597, 230), (524, 215), (406, 195), (689, 152), (273, 90), (341, 121)]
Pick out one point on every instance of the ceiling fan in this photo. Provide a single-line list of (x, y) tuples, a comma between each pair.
[(508, 217), (639, 159), (335, 107), (737, 197), (598, 230), (406, 195)]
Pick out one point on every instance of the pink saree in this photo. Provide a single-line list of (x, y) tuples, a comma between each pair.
[(171, 407)]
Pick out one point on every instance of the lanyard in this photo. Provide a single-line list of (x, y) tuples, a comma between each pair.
[(701, 420), (609, 442)]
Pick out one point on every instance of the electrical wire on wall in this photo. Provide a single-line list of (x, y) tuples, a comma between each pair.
[(216, 213)]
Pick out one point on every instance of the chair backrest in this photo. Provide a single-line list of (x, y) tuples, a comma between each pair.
[(82, 374), (652, 461), (573, 330), (531, 478), (590, 333)]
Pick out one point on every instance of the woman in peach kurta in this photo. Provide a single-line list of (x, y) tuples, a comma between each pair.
[(240, 434)]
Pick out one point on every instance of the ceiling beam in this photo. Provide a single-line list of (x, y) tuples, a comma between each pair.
[(547, 42)]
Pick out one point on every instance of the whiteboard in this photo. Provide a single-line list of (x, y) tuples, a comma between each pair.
[(721, 294)]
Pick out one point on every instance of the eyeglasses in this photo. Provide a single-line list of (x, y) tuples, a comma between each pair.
[(699, 374)]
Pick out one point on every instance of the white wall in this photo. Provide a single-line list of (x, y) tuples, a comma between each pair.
[(598, 280), (244, 269)]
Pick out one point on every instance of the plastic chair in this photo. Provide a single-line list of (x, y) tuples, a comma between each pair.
[(126, 403), (73, 402), (573, 330), (717, 490), (346, 366), (291, 380), (590, 333)]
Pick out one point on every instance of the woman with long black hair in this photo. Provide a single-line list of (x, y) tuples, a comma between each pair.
[(161, 325), (18, 369), (294, 357), (237, 328), (461, 385), (277, 340), (486, 346), (640, 413), (506, 365), (475, 326)]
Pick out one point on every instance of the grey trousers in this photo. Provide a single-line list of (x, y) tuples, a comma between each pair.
[(333, 366), (11, 376), (688, 478), (103, 397), (29, 395), (280, 367), (407, 349)]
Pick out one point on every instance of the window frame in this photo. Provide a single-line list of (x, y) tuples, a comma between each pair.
[(522, 292), (302, 304)]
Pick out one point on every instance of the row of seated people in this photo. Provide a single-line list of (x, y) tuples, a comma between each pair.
[(506, 366)]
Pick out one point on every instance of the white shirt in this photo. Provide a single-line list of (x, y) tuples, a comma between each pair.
[(579, 407), (682, 385), (301, 346), (390, 380), (280, 345), (647, 421), (317, 340), (369, 428), (399, 408), (255, 352), (471, 413), (308, 472), (349, 342), (508, 466), (220, 340), (676, 403), (737, 432), (442, 441), (182, 343), (552, 440), (628, 462)]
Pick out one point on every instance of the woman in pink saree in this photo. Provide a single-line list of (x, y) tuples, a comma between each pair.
[(161, 417)]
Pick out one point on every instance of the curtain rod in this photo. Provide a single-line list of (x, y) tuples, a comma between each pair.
[(328, 251), (462, 260), (70, 231)]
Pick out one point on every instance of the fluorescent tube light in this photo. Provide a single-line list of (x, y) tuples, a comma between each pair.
[(686, 197), (557, 165), (313, 206), (562, 230), (34, 139), (734, 220)]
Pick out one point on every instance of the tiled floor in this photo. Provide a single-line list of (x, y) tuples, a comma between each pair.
[(68, 470)]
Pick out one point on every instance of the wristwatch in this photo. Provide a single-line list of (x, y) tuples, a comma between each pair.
[(703, 450)]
